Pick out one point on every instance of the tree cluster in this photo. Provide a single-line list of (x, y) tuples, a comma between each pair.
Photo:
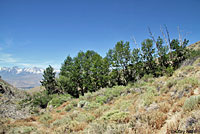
[(89, 72)]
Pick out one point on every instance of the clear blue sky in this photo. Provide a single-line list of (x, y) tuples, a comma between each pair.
[(43, 32)]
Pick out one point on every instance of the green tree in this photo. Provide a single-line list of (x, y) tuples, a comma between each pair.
[(136, 66), (120, 59), (49, 81), (148, 54), (67, 78), (180, 52)]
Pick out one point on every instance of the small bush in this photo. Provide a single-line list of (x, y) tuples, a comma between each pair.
[(22, 130), (41, 99), (147, 78), (116, 116), (169, 71), (92, 105), (101, 99), (45, 118), (148, 96), (59, 122), (69, 107), (171, 83), (188, 82), (58, 100), (84, 117), (191, 103)]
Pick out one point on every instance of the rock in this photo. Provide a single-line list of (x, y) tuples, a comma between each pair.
[(190, 121), (82, 104), (151, 107), (137, 90), (196, 91)]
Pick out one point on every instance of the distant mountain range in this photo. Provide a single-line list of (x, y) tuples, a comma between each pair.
[(24, 78)]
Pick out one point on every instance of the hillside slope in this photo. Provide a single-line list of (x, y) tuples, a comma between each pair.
[(152, 105), (9, 107)]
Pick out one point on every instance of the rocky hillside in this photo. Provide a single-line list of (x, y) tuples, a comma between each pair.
[(9, 103), (152, 105), (164, 105)]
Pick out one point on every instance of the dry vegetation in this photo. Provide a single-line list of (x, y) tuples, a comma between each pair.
[(149, 106), (152, 105)]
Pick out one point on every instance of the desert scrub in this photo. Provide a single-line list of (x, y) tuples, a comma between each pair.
[(191, 103), (85, 117), (98, 112), (148, 78), (187, 83), (45, 118), (41, 99), (116, 116), (23, 130), (69, 107), (148, 96), (170, 83), (103, 128), (59, 122), (115, 91), (187, 69), (92, 105), (122, 105), (58, 100), (101, 99)]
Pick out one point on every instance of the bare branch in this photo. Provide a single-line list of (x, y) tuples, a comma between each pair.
[(151, 35), (180, 38), (167, 33), (161, 29), (134, 40)]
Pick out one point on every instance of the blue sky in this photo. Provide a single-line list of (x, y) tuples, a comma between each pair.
[(43, 32)]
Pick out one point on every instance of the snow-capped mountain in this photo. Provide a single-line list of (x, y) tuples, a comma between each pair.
[(17, 70), (24, 78)]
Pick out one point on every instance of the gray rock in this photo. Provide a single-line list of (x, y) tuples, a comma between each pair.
[(82, 104), (190, 121), (151, 107)]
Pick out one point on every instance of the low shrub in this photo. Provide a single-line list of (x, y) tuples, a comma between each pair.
[(69, 107), (84, 117), (92, 105), (191, 103), (23, 130), (58, 100), (45, 118), (41, 99), (149, 95), (115, 115), (101, 99)]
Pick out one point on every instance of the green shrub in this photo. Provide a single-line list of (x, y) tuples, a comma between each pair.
[(149, 95), (45, 118), (92, 105), (169, 71), (187, 83), (23, 130), (171, 83), (84, 117), (64, 120), (58, 100), (191, 103), (69, 107), (115, 115), (41, 99), (114, 92), (101, 99)]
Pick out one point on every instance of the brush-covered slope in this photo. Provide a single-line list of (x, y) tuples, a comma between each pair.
[(9, 104), (152, 105)]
